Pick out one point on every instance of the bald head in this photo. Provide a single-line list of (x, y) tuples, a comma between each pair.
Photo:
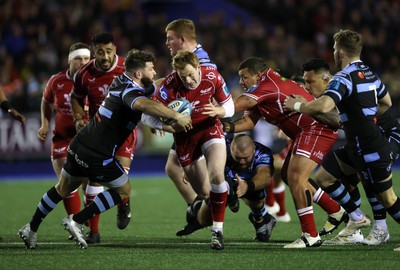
[(242, 150), (242, 142)]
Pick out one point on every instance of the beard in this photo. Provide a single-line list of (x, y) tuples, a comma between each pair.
[(146, 81)]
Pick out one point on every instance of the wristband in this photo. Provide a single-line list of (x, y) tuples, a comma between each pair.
[(231, 127), (5, 105), (250, 187), (297, 106)]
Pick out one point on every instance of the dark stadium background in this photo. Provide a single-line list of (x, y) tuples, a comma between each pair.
[(36, 35)]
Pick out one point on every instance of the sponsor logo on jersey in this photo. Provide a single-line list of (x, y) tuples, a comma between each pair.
[(195, 103), (195, 108), (60, 85), (67, 98), (169, 79), (60, 150), (211, 76), (128, 149), (218, 202), (319, 155), (185, 157), (389, 167), (91, 80), (265, 159), (81, 162), (361, 75), (205, 91), (163, 93)]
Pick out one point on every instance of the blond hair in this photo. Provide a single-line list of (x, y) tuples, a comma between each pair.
[(183, 28), (184, 58)]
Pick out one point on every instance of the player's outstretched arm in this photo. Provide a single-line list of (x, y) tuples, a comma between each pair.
[(159, 110)]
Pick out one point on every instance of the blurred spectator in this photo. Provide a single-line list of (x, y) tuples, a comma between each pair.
[(36, 33)]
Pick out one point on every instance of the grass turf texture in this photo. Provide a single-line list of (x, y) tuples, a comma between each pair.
[(149, 242)]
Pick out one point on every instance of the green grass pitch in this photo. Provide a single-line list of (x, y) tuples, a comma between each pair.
[(149, 242)]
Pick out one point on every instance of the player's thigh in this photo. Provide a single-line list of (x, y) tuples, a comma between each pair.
[(300, 169), (124, 161), (173, 166), (215, 155), (66, 185), (197, 175), (323, 178), (57, 165)]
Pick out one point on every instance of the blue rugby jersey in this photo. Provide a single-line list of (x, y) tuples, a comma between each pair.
[(355, 90), (262, 157)]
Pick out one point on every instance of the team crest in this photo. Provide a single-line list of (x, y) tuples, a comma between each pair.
[(334, 84)]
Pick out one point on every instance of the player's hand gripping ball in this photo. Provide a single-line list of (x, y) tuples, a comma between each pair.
[(180, 105)]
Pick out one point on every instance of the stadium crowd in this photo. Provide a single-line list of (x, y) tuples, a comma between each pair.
[(36, 34)]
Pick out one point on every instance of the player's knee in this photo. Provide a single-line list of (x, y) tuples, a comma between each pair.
[(61, 190), (203, 194), (387, 198), (323, 179), (171, 170)]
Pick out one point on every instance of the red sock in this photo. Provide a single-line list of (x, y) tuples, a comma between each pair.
[(306, 216), (218, 205), (94, 221), (326, 202), (280, 199), (270, 199), (72, 203)]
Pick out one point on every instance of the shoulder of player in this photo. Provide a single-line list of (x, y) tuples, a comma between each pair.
[(165, 92), (85, 70), (59, 78), (211, 74), (89, 66), (208, 68), (340, 78), (125, 84), (120, 62), (262, 149), (171, 80)]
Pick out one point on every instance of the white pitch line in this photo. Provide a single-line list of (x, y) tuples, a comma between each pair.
[(151, 243)]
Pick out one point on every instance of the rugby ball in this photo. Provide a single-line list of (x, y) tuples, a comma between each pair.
[(180, 105)]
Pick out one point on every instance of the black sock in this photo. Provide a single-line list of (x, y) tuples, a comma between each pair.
[(378, 209), (355, 196), (48, 202), (338, 192), (103, 201)]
